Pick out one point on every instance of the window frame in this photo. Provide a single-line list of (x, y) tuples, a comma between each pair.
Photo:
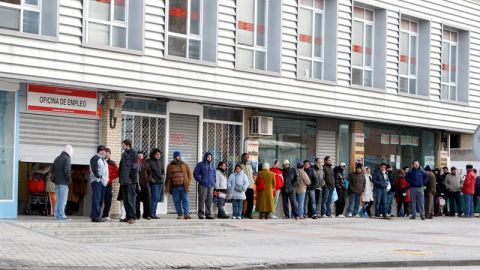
[(449, 83), (409, 76), (188, 36), (111, 24), (313, 59), (25, 7), (254, 48), (363, 68)]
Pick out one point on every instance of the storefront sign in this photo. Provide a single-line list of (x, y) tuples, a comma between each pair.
[(251, 148), (443, 159), (385, 139), (62, 100), (394, 139), (358, 148), (409, 140)]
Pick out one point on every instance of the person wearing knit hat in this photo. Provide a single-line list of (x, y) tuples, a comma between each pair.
[(128, 178), (430, 192), (62, 177), (290, 180), (177, 183)]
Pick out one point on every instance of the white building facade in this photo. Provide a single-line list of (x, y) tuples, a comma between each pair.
[(361, 80)]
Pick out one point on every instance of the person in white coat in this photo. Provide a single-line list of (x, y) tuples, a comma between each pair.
[(367, 196), (221, 187), (237, 186)]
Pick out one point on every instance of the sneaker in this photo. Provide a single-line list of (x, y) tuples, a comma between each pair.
[(350, 215), (315, 217), (357, 215), (324, 216), (341, 216), (331, 216), (107, 219), (234, 217), (272, 216)]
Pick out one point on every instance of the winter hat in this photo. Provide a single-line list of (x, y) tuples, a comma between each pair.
[(266, 166), (286, 161), (299, 164), (427, 168), (275, 162), (358, 165), (343, 164), (453, 168), (68, 149), (177, 154)]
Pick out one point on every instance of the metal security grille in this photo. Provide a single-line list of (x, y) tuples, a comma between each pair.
[(145, 132), (224, 141)]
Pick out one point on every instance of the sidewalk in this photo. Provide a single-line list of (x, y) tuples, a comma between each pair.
[(239, 244)]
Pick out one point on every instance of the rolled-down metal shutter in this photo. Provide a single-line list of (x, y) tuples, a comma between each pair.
[(43, 137), (183, 137), (327, 144)]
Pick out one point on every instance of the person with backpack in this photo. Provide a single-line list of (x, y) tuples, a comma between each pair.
[(237, 186), (265, 184), (290, 180)]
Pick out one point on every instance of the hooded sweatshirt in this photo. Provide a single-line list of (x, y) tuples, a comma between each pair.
[(205, 172)]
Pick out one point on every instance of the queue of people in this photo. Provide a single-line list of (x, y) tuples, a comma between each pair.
[(307, 191)]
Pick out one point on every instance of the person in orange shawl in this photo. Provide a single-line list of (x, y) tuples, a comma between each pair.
[(265, 184)]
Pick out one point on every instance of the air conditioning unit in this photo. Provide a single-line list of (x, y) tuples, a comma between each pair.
[(261, 125)]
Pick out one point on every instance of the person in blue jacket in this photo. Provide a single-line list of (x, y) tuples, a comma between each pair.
[(204, 173), (381, 185), (417, 178)]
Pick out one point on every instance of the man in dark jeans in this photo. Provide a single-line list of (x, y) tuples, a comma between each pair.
[(327, 190), (157, 181), (290, 178), (128, 174), (318, 170), (341, 189), (310, 201), (112, 175), (248, 170)]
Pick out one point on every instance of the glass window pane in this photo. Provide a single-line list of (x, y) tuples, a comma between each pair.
[(453, 64), (7, 144), (260, 61), (318, 36), (357, 43), (308, 3), (404, 25), (177, 46), (404, 85), (304, 68), (368, 45), (446, 35), (358, 12), (453, 36), (413, 27), (194, 48), (413, 86), (404, 53), (445, 90), (119, 37), (368, 78), (245, 58), (261, 22), (15, 2), (119, 10), (305, 32), (99, 9), (195, 17), (413, 55), (177, 16), (445, 61), (357, 76), (453, 93), (369, 15), (29, 2), (31, 22), (245, 9), (317, 70), (10, 18), (319, 4), (98, 34)]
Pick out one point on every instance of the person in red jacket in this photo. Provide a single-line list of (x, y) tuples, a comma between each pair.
[(278, 180), (402, 194), (112, 175), (469, 190)]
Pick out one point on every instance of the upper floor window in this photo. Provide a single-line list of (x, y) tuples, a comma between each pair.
[(408, 56), (115, 23), (369, 46), (310, 38), (258, 34), (362, 46), (449, 64), (29, 16), (192, 26)]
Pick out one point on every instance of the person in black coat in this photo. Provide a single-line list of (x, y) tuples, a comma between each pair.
[(290, 178), (157, 180), (128, 175), (339, 174), (310, 199), (62, 177)]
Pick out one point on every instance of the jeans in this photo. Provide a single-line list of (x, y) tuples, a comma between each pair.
[(249, 210), (286, 197), (220, 203), (237, 208), (390, 196), (107, 201), (61, 193), (300, 200), (353, 203), (380, 196), (312, 203), (129, 197), (327, 201), (205, 199), (418, 199), (180, 199), (157, 190), (98, 191), (455, 199), (468, 205), (318, 200), (366, 209)]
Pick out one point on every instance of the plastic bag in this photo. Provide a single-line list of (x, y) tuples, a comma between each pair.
[(334, 195)]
